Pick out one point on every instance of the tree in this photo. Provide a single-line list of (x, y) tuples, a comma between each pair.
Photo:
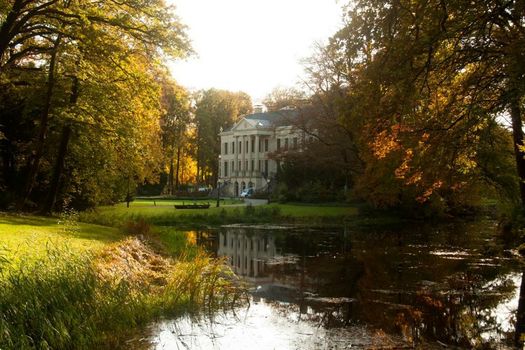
[(176, 126), (96, 70), (281, 98), (27, 26), (215, 110), (422, 82)]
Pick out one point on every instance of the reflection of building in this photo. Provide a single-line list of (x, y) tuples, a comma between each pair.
[(286, 270), (246, 254), (245, 149)]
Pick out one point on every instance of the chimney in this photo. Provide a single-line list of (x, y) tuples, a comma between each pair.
[(258, 108)]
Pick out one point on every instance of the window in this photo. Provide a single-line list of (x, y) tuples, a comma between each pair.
[(253, 145), (240, 146), (285, 144), (226, 148), (266, 145), (253, 162), (278, 144), (246, 166), (233, 147), (225, 169), (240, 166), (294, 143), (246, 150), (233, 166), (260, 145), (266, 166)]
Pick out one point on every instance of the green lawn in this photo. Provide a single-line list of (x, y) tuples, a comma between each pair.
[(142, 202), (164, 214), (159, 207), (24, 234)]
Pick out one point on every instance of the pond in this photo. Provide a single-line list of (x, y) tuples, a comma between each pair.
[(454, 285)]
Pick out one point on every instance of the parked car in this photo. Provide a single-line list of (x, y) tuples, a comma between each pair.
[(247, 192)]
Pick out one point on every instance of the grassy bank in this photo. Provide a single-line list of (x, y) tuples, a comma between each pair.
[(26, 235), (228, 213), (65, 285)]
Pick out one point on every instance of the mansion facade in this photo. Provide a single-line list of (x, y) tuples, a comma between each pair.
[(245, 149)]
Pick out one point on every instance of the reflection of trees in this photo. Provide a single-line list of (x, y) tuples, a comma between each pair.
[(459, 312), (406, 288), (205, 239), (519, 337)]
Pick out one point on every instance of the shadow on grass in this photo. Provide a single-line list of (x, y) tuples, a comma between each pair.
[(95, 232), (20, 219), (54, 227)]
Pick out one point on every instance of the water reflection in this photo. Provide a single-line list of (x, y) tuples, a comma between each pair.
[(248, 255), (454, 285)]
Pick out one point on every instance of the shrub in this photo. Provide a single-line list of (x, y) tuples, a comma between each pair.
[(138, 227)]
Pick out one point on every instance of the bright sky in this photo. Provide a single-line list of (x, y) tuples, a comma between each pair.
[(252, 45)]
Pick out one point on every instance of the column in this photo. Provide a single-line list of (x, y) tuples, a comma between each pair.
[(257, 151), (244, 154), (236, 140)]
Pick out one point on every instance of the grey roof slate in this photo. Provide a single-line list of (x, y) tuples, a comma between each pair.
[(276, 118)]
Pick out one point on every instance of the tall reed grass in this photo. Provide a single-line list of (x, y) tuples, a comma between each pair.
[(68, 300)]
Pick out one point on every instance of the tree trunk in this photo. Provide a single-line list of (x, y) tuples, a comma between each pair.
[(198, 178), (517, 133), (7, 26), (57, 172), (44, 121), (62, 152), (516, 74), (178, 168), (170, 177)]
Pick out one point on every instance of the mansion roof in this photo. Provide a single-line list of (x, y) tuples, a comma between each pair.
[(276, 118), (284, 117)]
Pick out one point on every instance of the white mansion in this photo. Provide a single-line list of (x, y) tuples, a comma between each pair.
[(245, 149)]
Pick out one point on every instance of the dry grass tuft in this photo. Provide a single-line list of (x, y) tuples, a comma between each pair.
[(132, 260)]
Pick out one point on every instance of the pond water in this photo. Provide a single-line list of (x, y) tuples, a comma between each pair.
[(454, 286)]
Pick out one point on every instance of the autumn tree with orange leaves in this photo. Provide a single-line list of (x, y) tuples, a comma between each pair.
[(424, 88)]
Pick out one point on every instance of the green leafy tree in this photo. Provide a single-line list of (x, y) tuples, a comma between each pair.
[(176, 126), (215, 110), (96, 66)]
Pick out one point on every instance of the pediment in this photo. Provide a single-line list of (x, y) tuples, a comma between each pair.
[(243, 124)]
